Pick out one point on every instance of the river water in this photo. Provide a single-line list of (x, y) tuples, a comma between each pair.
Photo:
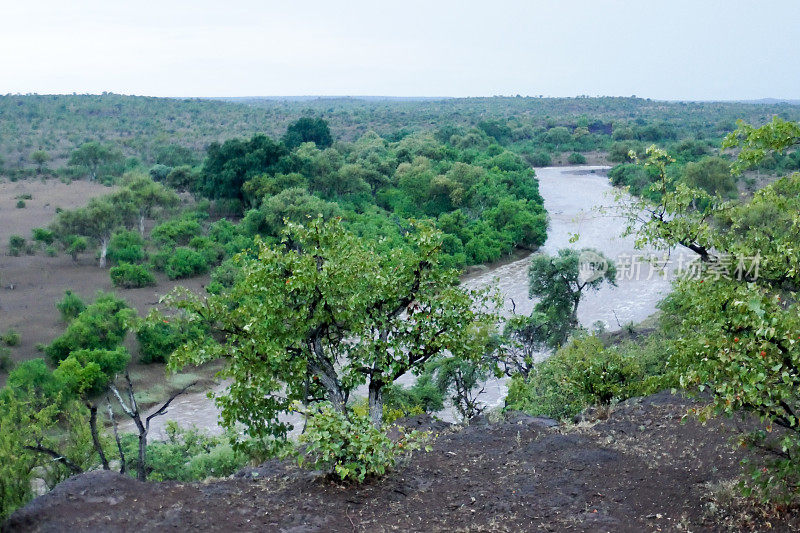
[(579, 200)]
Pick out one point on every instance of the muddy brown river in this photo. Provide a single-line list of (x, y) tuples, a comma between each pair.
[(579, 200)]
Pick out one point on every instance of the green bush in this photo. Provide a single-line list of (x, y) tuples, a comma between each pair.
[(176, 231), (44, 236), (16, 244), (130, 276), (20, 204), (186, 263), (6, 363), (70, 306), (102, 325), (185, 455), (159, 336), (540, 159), (576, 158), (11, 338), (351, 448), (126, 247), (580, 374)]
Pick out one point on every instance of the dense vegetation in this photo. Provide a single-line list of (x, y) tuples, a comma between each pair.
[(334, 246)]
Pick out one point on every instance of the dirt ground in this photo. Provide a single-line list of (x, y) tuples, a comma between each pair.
[(642, 469), (30, 285)]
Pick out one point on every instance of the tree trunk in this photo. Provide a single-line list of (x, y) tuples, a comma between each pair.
[(141, 469), (333, 391), (95, 437), (103, 251), (123, 465), (376, 402), (141, 225)]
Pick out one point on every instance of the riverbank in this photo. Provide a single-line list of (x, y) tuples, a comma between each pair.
[(641, 469)]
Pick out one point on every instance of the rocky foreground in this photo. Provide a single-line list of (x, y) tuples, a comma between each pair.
[(641, 469)]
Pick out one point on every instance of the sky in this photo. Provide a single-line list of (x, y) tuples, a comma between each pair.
[(671, 50)]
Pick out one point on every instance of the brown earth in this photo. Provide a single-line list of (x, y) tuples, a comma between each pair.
[(642, 469), (30, 285)]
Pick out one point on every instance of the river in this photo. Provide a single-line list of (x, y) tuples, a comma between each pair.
[(579, 200)]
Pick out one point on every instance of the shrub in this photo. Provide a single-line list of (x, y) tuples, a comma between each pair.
[(6, 363), (186, 263), (186, 455), (539, 159), (126, 247), (70, 306), (159, 336), (176, 231), (351, 448), (11, 338), (16, 244), (580, 374), (576, 158), (77, 245), (102, 325), (44, 236), (130, 276), (20, 204)]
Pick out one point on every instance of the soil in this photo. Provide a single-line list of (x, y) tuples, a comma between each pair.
[(641, 469), (30, 285)]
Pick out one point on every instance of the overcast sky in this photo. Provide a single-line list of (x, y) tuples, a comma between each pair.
[(692, 49)]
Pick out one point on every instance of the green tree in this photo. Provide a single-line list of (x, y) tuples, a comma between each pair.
[(737, 326), (98, 220), (93, 156), (149, 196), (324, 312), (713, 175), (40, 158), (308, 129), (559, 282)]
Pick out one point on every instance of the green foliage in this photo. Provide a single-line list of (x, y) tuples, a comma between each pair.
[(102, 325), (229, 165), (16, 244), (126, 247), (70, 306), (186, 263), (44, 236), (351, 448), (713, 175), (76, 245), (307, 129), (736, 328), (176, 231), (576, 158), (21, 204), (130, 276), (10, 338), (559, 283), (185, 455), (159, 336), (580, 374), (94, 159), (88, 372), (324, 291)]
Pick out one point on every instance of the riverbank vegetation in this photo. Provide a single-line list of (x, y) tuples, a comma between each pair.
[(333, 247)]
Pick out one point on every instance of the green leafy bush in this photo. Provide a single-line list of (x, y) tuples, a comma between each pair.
[(126, 247), (351, 448), (176, 231), (186, 263), (159, 336), (16, 244), (580, 374), (70, 306), (102, 325), (11, 338), (576, 158), (130, 276), (21, 204), (44, 236), (185, 455)]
